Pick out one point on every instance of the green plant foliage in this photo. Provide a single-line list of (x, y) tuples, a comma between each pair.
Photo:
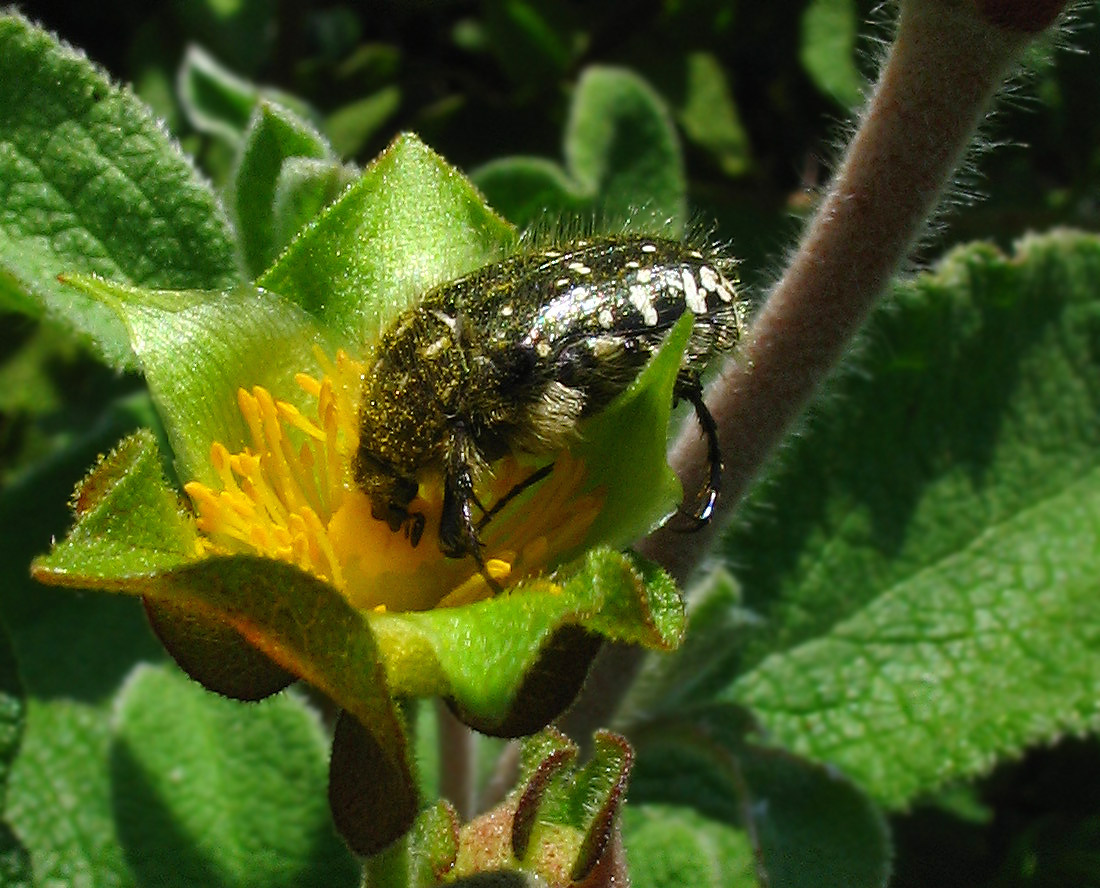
[(274, 135), (807, 825), (829, 29), (905, 607), (903, 583), (434, 226), (619, 144), (674, 845), (195, 779), (93, 184), (59, 797)]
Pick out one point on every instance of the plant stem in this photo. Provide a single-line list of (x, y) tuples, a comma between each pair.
[(946, 62), (457, 762)]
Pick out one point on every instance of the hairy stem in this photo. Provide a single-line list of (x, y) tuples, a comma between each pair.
[(947, 60), (457, 762)]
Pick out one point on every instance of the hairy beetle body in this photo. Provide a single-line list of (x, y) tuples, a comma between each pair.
[(512, 357)]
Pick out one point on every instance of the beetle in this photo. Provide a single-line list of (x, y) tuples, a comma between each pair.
[(514, 356)]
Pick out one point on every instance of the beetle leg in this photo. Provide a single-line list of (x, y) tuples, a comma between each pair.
[(689, 388), (531, 479)]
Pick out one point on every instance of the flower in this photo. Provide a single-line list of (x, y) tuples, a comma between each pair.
[(291, 495), (278, 571)]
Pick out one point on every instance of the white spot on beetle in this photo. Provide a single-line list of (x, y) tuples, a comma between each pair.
[(649, 248), (440, 345), (633, 264), (640, 299), (696, 301), (563, 282), (580, 268), (644, 275), (506, 310), (445, 318), (695, 254), (543, 348), (606, 318), (708, 278)]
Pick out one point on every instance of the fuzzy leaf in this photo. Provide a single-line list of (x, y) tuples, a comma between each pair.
[(808, 826), (219, 102), (829, 31), (709, 116), (274, 135), (153, 532), (235, 339), (59, 798), (196, 780), (671, 845), (934, 532), (305, 187), (622, 163), (410, 222), (92, 183)]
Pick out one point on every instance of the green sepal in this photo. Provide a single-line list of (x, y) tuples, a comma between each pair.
[(130, 523), (410, 222), (623, 166), (197, 348), (305, 186), (102, 189), (627, 442), (480, 655)]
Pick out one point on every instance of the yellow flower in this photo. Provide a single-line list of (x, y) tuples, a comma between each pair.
[(291, 495)]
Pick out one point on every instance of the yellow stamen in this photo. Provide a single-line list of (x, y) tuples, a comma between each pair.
[(291, 495)]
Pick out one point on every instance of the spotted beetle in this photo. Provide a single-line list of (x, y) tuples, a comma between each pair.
[(510, 358)]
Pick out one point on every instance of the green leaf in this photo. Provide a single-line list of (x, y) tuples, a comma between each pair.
[(622, 163), (215, 99), (827, 52), (670, 846), (274, 135), (709, 113), (15, 868), (235, 339), (808, 826), (410, 222), (59, 798), (717, 624), (351, 127), (221, 103), (211, 792), (92, 183), (15, 861), (934, 532), (305, 187), (11, 711)]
